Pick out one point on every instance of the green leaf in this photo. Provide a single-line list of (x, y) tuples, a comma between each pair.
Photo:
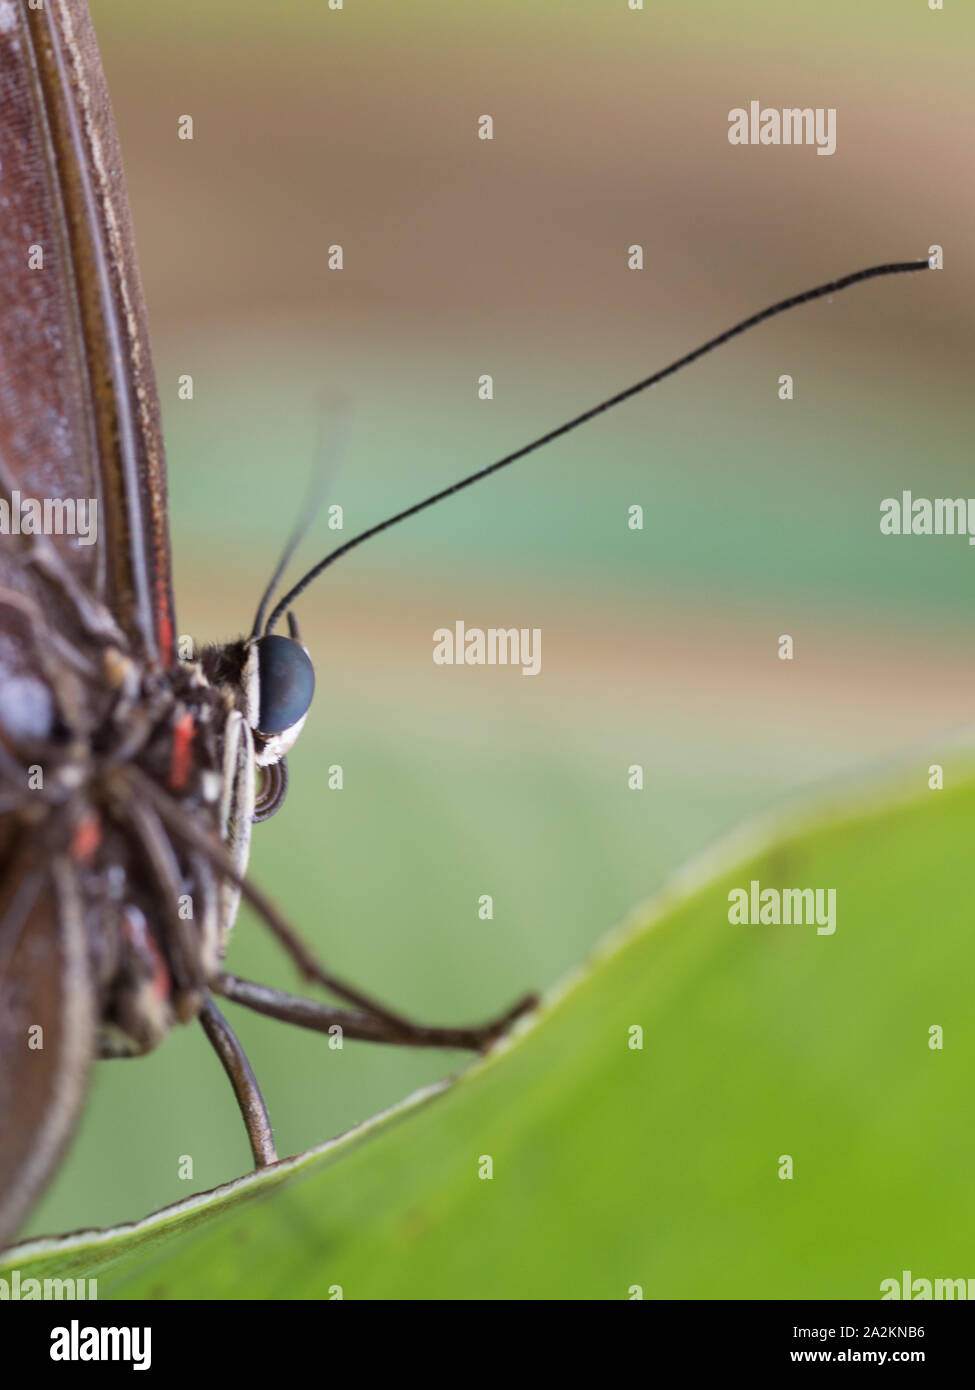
[(658, 1167)]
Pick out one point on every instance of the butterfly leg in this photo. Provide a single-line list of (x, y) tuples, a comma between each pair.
[(366, 1027), (383, 1024), (248, 1093)]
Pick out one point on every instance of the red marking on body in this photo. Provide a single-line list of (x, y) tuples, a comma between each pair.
[(166, 638), (87, 837), (181, 756), (164, 624)]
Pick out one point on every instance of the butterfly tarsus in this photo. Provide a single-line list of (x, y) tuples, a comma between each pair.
[(252, 1107), (362, 1026)]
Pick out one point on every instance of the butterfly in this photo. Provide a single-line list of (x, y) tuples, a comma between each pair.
[(130, 779)]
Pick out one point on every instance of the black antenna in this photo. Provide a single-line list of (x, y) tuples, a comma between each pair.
[(328, 452), (832, 287)]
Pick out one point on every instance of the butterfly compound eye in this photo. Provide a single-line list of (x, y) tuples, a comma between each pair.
[(287, 683)]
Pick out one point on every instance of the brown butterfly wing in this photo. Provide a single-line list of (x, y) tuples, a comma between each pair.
[(79, 414), (79, 418), (46, 1028)]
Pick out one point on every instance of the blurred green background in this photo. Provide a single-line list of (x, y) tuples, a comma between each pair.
[(659, 647)]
